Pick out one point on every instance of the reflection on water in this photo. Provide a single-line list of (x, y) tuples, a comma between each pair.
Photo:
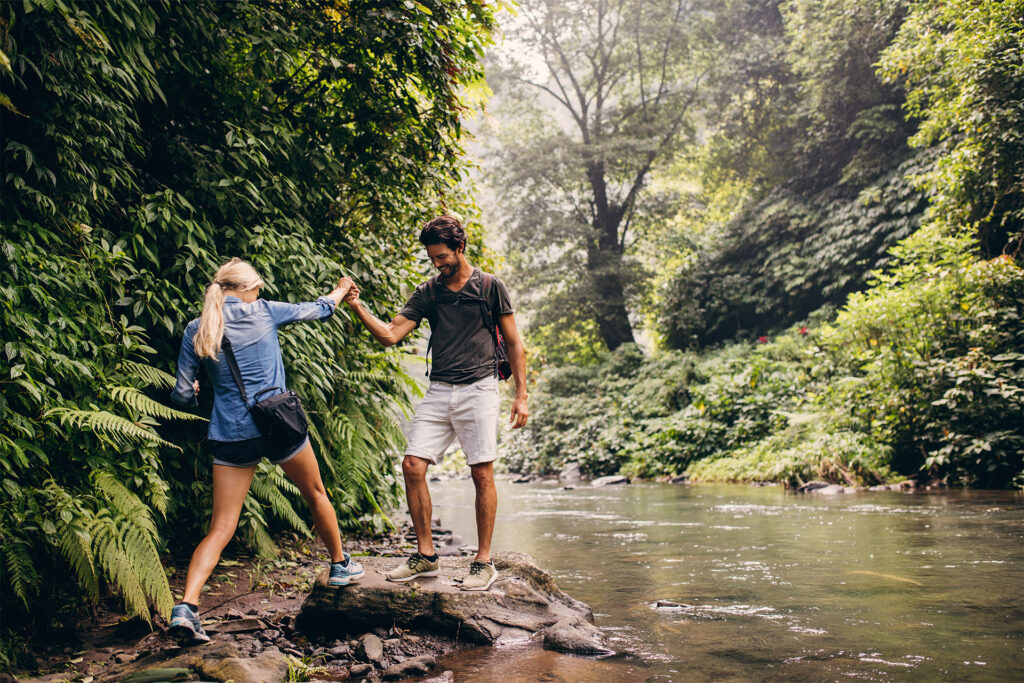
[(769, 585)]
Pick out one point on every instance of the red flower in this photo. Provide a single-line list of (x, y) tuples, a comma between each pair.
[(802, 331), (762, 340)]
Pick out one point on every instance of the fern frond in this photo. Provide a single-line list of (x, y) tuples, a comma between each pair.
[(117, 565), (135, 399), (256, 533), (124, 501), (149, 376), (267, 491), (141, 550), (76, 545), (21, 573), (102, 422)]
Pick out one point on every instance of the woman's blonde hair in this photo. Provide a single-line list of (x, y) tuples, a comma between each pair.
[(234, 276)]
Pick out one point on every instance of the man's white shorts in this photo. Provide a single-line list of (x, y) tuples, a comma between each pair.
[(468, 412)]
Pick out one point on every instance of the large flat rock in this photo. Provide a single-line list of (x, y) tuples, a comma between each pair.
[(524, 603)]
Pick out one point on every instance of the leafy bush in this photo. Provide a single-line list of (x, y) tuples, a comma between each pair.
[(933, 362), (798, 455)]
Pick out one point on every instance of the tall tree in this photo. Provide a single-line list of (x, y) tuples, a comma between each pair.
[(599, 92)]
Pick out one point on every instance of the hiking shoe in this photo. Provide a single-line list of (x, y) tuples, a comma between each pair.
[(185, 627), (416, 565), (481, 576), (344, 572)]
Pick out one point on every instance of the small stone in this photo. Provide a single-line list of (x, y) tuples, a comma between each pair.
[(124, 658), (392, 642), (370, 648), (292, 651), (339, 651), (359, 670), (413, 639)]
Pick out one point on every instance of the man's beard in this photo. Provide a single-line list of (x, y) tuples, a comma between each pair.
[(447, 272)]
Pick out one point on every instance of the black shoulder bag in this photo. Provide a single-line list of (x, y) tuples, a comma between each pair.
[(280, 418), (502, 365)]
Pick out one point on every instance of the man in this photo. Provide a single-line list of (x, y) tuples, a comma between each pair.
[(462, 401)]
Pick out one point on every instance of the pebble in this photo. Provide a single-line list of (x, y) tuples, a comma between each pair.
[(359, 670)]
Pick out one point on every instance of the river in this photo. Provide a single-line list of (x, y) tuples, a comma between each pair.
[(772, 585)]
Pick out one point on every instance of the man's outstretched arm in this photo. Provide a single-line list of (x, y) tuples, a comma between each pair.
[(517, 358), (387, 334)]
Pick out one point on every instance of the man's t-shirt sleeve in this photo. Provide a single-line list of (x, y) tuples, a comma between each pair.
[(418, 305), (501, 303)]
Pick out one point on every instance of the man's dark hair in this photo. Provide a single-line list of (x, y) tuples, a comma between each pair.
[(445, 230)]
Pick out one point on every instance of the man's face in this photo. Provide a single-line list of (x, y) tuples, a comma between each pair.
[(445, 260)]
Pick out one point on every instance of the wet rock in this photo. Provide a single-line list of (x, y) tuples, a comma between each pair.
[(360, 670), (446, 677), (610, 480), (218, 661), (415, 666), (522, 603), (812, 486), (880, 487), (668, 604), (575, 636), (831, 490), (370, 648), (681, 479), (570, 472), (524, 479), (266, 666)]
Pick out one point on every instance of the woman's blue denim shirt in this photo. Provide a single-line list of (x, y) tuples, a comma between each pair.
[(252, 330)]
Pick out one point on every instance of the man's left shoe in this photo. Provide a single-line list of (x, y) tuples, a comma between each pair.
[(344, 572), (481, 576)]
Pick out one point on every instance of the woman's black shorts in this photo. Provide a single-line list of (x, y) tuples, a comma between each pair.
[(250, 452)]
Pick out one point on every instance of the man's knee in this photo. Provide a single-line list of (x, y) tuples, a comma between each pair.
[(483, 474), (414, 469)]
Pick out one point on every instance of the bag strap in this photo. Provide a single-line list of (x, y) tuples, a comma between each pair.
[(432, 316), (233, 364)]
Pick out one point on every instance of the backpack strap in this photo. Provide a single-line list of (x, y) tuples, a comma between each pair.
[(431, 316)]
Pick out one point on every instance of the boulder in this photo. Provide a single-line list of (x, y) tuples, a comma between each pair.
[(610, 480), (570, 472), (521, 605)]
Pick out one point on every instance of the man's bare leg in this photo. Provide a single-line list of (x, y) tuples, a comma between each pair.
[(418, 496), (486, 508)]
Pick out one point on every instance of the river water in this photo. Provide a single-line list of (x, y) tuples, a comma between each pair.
[(773, 585)]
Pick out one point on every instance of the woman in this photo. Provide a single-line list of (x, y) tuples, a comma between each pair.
[(233, 310)]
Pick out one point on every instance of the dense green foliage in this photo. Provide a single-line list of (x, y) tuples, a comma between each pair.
[(861, 172), (143, 145)]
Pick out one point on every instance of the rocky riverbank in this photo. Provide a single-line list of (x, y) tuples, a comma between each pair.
[(278, 620)]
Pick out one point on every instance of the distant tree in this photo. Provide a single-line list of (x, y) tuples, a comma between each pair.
[(599, 93)]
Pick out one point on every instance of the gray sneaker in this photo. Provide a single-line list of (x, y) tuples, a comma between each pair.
[(416, 565), (481, 576), (185, 627)]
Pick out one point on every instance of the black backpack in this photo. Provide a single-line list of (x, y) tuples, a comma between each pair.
[(502, 365)]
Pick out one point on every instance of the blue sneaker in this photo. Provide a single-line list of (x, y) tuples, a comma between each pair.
[(343, 572), (185, 627)]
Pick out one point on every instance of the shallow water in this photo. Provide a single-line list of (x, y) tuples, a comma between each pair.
[(774, 585)]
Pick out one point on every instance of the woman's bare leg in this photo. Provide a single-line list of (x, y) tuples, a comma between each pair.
[(230, 486), (304, 472)]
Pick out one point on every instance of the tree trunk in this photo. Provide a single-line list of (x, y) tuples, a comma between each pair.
[(604, 266)]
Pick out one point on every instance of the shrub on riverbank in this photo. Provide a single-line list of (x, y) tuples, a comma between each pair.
[(920, 376)]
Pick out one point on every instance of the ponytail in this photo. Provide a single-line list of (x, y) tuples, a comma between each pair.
[(235, 275), (211, 323)]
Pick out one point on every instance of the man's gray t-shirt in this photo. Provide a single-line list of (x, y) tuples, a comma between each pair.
[(462, 346)]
